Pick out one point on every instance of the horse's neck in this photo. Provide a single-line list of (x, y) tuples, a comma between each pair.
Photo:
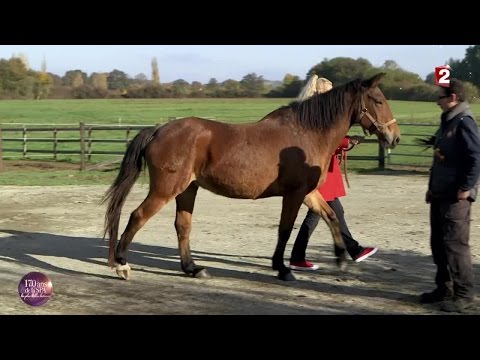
[(335, 134), (330, 140)]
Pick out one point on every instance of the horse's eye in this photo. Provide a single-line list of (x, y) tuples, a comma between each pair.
[(376, 101)]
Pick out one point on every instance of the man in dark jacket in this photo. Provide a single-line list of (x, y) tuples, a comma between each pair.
[(451, 190)]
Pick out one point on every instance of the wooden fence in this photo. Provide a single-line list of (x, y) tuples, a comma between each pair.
[(1, 151), (81, 135), (89, 145)]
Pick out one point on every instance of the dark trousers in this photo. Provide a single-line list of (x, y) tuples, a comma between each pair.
[(450, 232), (310, 223)]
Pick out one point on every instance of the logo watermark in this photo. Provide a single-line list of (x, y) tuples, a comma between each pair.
[(442, 75), (35, 289)]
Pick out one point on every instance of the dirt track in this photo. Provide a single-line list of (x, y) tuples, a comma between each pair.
[(57, 230)]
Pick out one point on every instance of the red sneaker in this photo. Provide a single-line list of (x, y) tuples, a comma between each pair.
[(303, 266), (365, 253)]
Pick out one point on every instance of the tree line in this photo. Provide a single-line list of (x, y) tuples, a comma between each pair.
[(19, 81)]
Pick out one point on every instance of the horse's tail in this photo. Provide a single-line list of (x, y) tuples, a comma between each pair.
[(116, 195)]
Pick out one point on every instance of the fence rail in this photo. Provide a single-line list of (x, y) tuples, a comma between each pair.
[(34, 140), (102, 140)]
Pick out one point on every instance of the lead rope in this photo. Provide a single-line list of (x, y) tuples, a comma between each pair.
[(344, 159), (344, 155)]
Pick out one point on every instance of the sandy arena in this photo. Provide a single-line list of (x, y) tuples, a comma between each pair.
[(58, 231)]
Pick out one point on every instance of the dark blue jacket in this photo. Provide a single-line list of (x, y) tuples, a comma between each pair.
[(456, 158)]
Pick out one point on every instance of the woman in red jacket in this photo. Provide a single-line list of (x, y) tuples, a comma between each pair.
[(332, 189)]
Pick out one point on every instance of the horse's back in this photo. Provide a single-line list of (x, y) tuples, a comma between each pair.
[(249, 160)]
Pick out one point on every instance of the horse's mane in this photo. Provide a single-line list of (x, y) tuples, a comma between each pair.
[(321, 110)]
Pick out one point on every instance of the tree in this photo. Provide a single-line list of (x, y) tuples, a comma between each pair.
[(155, 73), (252, 85), (197, 89), (430, 78), (293, 89), (341, 70), (460, 69), (117, 80), (24, 58), (289, 78), (231, 88), (44, 65), (181, 88), (78, 76), (56, 80), (99, 81), (77, 80), (141, 77), (471, 92), (16, 81), (469, 68), (390, 65), (212, 87), (43, 83)]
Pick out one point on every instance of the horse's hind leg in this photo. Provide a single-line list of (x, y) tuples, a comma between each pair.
[(183, 226), (149, 207), (290, 206), (317, 204)]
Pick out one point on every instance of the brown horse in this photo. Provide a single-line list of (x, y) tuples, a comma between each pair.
[(286, 154)]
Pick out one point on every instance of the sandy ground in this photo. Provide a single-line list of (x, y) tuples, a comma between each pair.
[(58, 230)]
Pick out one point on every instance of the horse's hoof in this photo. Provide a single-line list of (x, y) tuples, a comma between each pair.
[(342, 264), (123, 271), (202, 274), (287, 276)]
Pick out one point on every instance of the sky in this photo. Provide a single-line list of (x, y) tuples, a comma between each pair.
[(223, 62)]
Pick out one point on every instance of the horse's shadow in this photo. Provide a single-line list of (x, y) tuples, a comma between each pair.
[(27, 249)]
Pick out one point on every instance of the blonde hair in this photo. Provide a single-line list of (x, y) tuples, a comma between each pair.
[(313, 86)]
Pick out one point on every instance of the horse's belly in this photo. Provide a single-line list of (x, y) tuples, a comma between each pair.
[(237, 188)]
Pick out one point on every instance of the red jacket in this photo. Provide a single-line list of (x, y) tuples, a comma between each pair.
[(333, 186)]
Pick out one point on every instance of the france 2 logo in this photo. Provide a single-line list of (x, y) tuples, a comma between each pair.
[(442, 75)]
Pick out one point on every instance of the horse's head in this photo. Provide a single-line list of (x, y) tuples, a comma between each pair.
[(375, 115)]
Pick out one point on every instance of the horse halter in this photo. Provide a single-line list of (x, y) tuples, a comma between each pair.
[(378, 126)]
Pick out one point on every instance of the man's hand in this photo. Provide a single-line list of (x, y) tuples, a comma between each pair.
[(463, 195), (428, 197), (428, 141)]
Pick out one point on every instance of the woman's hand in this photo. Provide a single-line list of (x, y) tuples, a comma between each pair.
[(356, 139)]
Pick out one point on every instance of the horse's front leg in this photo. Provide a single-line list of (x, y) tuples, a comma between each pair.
[(290, 206), (317, 204)]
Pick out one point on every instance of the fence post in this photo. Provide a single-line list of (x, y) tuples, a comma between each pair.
[(82, 146), (381, 156), (24, 141), (55, 142), (1, 151), (89, 144)]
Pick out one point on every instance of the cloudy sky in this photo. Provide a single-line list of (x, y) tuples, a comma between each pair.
[(203, 62)]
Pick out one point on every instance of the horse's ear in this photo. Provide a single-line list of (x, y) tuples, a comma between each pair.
[(373, 81)]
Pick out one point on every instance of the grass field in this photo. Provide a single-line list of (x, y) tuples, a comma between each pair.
[(19, 113), (152, 111)]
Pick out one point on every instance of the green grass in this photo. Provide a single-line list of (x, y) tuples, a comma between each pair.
[(55, 177), (28, 175), (152, 111), (133, 111)]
